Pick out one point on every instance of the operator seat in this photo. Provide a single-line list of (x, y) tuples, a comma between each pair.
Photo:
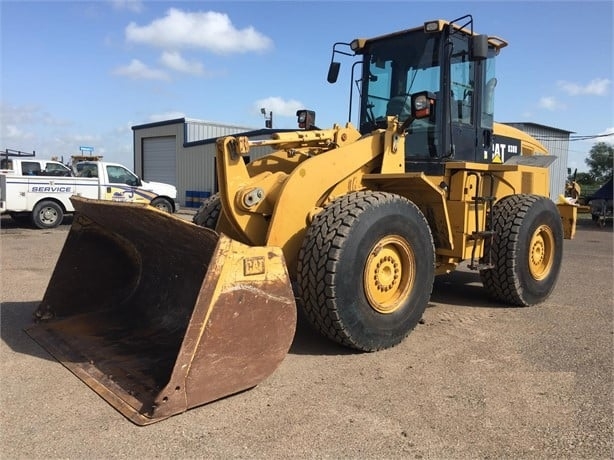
[(399, 106)]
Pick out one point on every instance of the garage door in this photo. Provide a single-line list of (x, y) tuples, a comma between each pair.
[(159, 157)]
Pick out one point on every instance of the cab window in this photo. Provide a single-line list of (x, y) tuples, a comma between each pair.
[(462, 83), (87, 170), (398, 68), (30, 168), (55, 169), (121, 175), (6, 163)]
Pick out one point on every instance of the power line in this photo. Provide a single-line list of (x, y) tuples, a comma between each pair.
[(572, 138)]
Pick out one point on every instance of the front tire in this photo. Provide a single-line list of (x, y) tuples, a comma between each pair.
[(365, 270), (209, 213), (162, 204), (526, 251), (47, 214)]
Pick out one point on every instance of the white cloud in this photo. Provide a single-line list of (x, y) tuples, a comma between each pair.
[(136, 6), (173, 60), (30, 127), (596, 87), (207, 30), (549, 103), (11, 114), (279, 106), (79, 139), (12, 133), (22, 124), (139, 71)]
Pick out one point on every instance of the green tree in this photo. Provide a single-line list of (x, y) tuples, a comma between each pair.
[(601, 162), (585, 178)]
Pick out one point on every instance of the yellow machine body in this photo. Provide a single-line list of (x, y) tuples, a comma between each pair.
[(159, 315), (298, 180)]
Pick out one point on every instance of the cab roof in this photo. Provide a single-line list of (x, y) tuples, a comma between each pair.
[(435, 26)]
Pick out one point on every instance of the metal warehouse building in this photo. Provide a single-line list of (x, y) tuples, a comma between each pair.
[(182, 152), (557, 142)]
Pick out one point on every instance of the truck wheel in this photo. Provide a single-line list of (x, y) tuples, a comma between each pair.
[(162, 204), (47, 214), (526, 250), (365, 270), (209, 212)]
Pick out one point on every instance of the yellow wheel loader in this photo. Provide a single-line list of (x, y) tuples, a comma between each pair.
[(159, 315)]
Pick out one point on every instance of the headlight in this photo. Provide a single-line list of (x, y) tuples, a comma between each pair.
[(421, 102), (357, 44), (431, 26)]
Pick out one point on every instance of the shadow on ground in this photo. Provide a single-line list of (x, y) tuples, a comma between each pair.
[(14, 318), (459, 288)]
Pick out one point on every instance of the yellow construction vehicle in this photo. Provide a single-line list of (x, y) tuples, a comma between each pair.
[(162, 315)]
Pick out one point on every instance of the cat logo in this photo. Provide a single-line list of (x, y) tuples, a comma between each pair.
[(504, 148)]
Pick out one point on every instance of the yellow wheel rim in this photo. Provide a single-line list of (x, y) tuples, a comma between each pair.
[(541, 252), (389, 274)]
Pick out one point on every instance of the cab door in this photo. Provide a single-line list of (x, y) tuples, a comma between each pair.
[(472, 90), (461, 115), (123, 185)]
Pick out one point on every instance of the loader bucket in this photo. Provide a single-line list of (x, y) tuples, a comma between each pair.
[(158, 315)]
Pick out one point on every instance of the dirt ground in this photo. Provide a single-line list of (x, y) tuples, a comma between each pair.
[(474, 380)]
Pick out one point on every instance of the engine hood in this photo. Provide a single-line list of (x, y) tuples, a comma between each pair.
[(160, 188)]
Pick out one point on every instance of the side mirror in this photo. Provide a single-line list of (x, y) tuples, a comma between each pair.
[(333, 72)]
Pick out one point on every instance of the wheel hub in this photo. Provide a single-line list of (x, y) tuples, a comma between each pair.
[(48, 215), (541, 251), (389, 274)]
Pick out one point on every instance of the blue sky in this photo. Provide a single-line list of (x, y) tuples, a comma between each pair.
[(84, 72)]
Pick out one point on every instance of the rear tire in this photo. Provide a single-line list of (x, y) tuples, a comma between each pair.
[(526, 251), (21, 218), (365, 270), (47, 214), (209, 212)]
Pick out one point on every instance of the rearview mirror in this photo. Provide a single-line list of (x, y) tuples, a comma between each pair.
[(333, 72)]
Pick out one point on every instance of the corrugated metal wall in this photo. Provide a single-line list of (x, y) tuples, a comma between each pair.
[(557, 143), (196, 166), (196, 162), (198, 130), (196, 152)]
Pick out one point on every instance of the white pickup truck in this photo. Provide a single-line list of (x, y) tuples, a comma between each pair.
[(39, 190)]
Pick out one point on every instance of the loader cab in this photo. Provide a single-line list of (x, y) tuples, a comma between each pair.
[(442, 59)]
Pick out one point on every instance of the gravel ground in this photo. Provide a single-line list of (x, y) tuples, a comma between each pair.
[(474, 380)]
